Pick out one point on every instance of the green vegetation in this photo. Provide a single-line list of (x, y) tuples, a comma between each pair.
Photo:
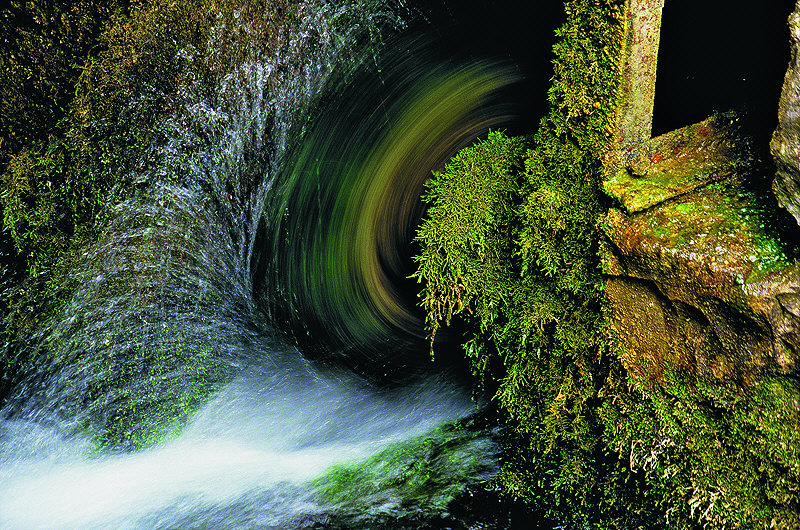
[(143, 404), (58, 173), (510, 247), (468, 252), (43, 45), (46, 217), (421, 477), (712, 455)]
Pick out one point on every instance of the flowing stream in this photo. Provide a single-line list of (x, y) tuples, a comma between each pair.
[(244, 321), (245, 460)]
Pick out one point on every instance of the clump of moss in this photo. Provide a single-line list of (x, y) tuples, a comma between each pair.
[(468, 245), (510, 245), (415, 480), (709, 454)]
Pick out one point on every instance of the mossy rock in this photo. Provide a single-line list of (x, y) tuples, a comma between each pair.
[(676, 163), (414, 481)]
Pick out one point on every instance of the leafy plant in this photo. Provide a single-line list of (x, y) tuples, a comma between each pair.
[(509, 244)]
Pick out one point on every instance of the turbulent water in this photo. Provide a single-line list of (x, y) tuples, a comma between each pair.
[(278, 208), (245, 460)]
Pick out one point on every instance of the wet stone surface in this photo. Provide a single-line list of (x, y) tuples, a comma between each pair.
[(696, 274), (785, 143), (675, 163)]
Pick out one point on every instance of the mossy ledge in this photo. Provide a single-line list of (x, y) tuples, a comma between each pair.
[(701, 292), (631, 304)]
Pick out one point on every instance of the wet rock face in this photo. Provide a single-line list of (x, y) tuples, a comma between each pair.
[(696, 279), (708, 310), (785, 145)]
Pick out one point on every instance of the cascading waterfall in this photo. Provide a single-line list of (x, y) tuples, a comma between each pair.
[(282, 198)]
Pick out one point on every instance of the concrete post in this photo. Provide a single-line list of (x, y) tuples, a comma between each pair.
[(639, 60)]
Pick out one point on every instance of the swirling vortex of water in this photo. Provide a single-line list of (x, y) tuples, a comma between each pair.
[(282, 199)]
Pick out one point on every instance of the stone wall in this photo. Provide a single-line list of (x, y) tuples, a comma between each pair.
[(695, 277), (785, 143)]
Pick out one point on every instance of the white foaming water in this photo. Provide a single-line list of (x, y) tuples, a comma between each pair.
[(245, 459)]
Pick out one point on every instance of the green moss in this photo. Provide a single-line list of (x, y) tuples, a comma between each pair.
[(594, 447), (467, 237), (717, 455), (142, 405), (678, 162), (63, 179), (534, 308), (425, 473)]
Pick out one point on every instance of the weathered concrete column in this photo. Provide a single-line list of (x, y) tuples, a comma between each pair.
[(640, 57)]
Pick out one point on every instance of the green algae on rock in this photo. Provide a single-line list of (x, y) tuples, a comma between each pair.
[(676, 163), (701, 290), (696, 244), (410, 482)]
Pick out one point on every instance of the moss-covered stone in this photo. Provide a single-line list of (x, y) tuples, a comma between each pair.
[(695, 258), (684, 412), (536, 336), (412, 481), (702, 294), (675, 163)]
